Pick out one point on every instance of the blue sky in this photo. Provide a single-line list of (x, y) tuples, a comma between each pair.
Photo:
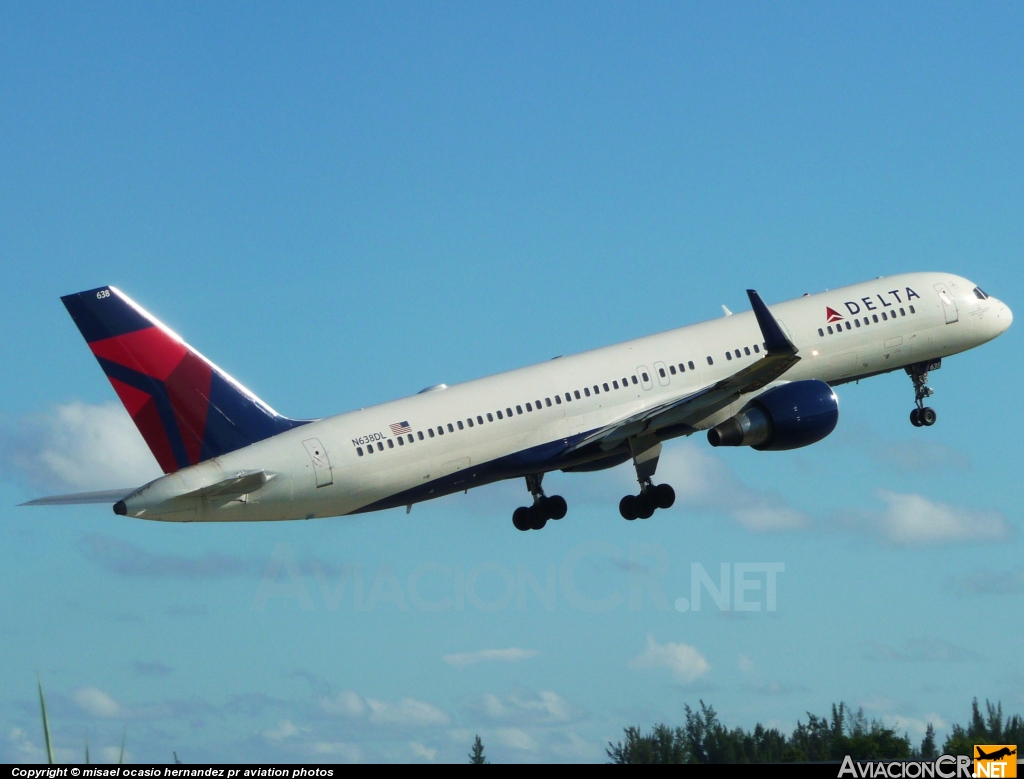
[(341, 204)]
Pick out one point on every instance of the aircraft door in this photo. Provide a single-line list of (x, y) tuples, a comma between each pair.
[(661, 370), (321, 462), (645, 376), (948, 304)]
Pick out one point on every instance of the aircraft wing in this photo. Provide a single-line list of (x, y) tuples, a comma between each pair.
[(104, 496), (780, 356)]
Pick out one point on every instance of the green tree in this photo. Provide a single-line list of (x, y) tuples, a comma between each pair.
[(989, 729), (928, 749), (476, 755)]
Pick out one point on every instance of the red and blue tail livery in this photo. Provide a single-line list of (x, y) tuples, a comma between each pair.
[(187, 409)]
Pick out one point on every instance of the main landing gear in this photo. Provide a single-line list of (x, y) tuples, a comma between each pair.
[(544, 508), (646, 452), (922, 415)]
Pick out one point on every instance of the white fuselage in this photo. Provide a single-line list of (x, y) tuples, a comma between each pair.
[(325, 468)]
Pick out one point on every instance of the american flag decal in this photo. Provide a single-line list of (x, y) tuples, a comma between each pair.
[(400, 428)]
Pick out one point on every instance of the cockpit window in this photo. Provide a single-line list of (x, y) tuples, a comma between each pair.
[(980, 293)]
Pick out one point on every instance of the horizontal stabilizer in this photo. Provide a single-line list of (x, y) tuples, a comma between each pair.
[(104, 496)]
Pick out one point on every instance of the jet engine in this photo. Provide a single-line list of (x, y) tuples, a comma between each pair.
[(785, 417)]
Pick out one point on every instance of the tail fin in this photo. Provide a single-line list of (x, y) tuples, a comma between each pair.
[(186, 408)]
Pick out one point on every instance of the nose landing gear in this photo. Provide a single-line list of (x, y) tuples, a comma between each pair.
[(544, 508), (922, 415)]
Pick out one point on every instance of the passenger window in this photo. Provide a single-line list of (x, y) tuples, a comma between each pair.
[(411, 439), (558, 400), (519, 409), (430, 432), (537, 404), (856, 322), (605, 385), (867, 321), (490, 417), (672, 369), (903, 312), (568, 398), (646, 377), (746, 350), (419, 434), (401, 441), (874, 318), (380, 447), (615, 384), (586, 391), (884, 316), (369, 449), (547, 402), (756, 349), (359, 451), (682, 368), (576, 393), (710, 361), (661, 372), (391, 444), (848, 326), (728, 355), (479, 420), (821, 332), (461, 426), (508, 413), (738, 355), (499, 415), (597, 390), (450, 428), (529, 407), (830, 329), (470, 421), (912, 311), (690, 364)]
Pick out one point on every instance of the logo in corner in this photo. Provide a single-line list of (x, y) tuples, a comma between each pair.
[(995, 760), (831, 315)]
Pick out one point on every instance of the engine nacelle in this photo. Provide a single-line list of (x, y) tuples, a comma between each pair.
[(786, 417)]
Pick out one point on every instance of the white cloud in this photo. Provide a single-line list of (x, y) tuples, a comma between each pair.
[(913, 520), (422, 751), (525, 706), (684, 661), (285, 729), (339, 749), (345, 704), (511, 654), (97, 703), (515, 738), (26, 751), (78, 447), (408, 712), (703, 481)]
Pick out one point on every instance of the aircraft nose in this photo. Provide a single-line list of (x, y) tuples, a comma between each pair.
[(1005, 317)]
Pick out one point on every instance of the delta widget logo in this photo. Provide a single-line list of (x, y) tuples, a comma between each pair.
[(831, 315), (995, 760)]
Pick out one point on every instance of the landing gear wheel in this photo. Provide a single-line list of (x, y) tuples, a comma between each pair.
[(557, 507), (664, 496), (927, 416), (628, 507), (915, 417), (537, 518), (521, 518), (645, 506)]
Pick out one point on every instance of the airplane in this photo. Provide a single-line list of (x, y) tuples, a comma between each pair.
[(764, 378), (998, 754)]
